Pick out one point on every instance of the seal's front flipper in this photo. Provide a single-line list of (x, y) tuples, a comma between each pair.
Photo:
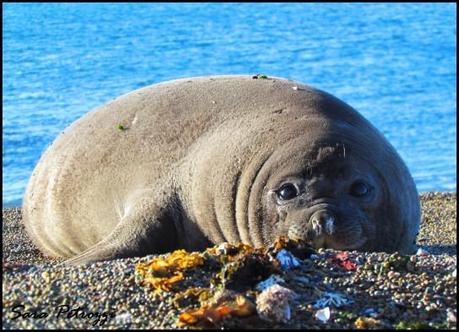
[(147, 231)]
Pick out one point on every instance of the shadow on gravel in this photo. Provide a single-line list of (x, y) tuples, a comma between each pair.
[(439, 249)]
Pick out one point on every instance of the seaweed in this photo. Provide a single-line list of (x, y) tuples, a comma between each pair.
[(260, 76), (163, 273), (237, 269)]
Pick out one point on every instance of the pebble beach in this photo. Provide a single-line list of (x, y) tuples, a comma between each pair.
[(370, 291)]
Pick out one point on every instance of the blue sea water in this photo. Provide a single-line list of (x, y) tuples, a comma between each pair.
[(395, 63)]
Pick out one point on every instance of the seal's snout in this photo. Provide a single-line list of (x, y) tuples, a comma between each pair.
[(321, 223), (323, 220)]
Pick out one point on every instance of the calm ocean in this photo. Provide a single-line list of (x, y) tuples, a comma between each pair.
[(395, 63)]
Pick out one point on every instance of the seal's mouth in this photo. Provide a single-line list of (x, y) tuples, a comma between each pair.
[(327, 242), (331, 228)]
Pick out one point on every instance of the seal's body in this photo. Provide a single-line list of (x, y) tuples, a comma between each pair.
[(193, 162)]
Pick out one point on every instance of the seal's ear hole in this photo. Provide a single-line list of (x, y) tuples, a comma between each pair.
[(287, 191), (359, 189)]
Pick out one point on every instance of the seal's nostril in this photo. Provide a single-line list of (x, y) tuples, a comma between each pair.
[(330, 225), (317, 226)]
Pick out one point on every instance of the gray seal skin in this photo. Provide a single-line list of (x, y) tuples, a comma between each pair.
[(204, 160)]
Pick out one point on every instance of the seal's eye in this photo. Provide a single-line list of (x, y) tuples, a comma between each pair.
[(287, 191), (359, 189)]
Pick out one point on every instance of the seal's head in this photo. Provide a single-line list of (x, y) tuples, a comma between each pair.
[(346, 189), (335, 202)]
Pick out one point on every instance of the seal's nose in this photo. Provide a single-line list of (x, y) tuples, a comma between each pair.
[(323, 220)]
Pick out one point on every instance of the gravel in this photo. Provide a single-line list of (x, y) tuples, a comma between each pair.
[(382, 291)]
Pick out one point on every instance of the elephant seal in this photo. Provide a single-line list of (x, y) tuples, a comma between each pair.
[(194, 162)]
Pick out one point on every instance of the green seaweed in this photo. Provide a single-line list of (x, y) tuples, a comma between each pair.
[(402, 325), (260, 76), (345, 315), (399, 263)]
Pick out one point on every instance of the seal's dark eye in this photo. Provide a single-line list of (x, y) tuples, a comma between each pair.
[(359, 189), (287, 191)]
